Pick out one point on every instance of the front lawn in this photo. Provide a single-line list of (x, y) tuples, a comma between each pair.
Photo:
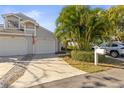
[(84, 66), (104, 63), (84, 60)]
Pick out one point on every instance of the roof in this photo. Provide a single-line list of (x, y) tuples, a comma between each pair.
[(20, 15)]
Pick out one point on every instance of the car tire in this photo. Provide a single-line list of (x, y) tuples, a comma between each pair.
[(114, 54)]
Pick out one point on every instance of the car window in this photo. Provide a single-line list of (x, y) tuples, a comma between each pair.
[(114, 45)]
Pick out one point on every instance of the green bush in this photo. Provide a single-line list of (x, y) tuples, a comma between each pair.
[(71, 47), (102, 58), (87, 56)]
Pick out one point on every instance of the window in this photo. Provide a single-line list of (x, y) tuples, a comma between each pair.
[(114, 45), (13, 24)]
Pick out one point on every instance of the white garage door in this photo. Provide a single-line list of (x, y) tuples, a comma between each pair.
[(44, 46), (12, 46)]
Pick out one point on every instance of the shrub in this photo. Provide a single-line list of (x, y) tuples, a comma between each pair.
[(102, 58), (87, 56), (71, 47)]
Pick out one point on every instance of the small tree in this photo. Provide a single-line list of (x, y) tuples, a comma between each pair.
[(82, 25)]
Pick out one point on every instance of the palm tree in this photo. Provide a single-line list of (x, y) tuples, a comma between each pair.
[(71, 23), (82, 24), (116, 18)]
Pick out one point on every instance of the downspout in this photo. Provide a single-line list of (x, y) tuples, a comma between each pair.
[(33, 39), (19, 26)]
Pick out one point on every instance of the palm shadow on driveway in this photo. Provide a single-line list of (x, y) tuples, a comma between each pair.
[(15, 72)]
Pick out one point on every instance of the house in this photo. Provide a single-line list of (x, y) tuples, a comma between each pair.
[(20, 35)]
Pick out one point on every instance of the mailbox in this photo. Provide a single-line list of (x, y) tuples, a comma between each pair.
[(100, 51), (97, 52)]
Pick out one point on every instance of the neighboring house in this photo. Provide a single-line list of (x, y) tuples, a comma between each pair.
[(20, 35)]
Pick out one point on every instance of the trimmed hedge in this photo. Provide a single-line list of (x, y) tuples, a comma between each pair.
[(87, 56), (102, 58)]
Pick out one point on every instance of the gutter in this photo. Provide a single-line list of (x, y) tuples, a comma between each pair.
[(14, 34)]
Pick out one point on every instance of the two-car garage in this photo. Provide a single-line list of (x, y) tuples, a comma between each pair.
[(21, 45)]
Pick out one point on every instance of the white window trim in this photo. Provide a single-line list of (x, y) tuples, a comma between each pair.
[(6, 22)]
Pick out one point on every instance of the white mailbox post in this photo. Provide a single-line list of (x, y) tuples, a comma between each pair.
[(96, 53)]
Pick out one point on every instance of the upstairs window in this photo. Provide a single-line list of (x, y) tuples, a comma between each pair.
[(13, 24), (12, 21)]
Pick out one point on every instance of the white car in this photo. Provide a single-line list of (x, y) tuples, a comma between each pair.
[(114, 49)]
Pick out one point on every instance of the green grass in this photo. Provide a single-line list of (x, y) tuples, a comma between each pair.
[(104, 63), (85, 66)]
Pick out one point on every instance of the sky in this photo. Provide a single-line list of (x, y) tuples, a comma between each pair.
[(45, 15)]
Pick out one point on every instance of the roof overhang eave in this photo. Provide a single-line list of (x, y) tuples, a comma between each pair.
[(31, 22), (5, 15)]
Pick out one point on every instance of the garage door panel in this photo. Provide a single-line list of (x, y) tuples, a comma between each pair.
[(45, 46), (12, 46)]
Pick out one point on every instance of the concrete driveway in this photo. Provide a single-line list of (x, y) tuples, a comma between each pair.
[(7, 63), (40, 69)]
